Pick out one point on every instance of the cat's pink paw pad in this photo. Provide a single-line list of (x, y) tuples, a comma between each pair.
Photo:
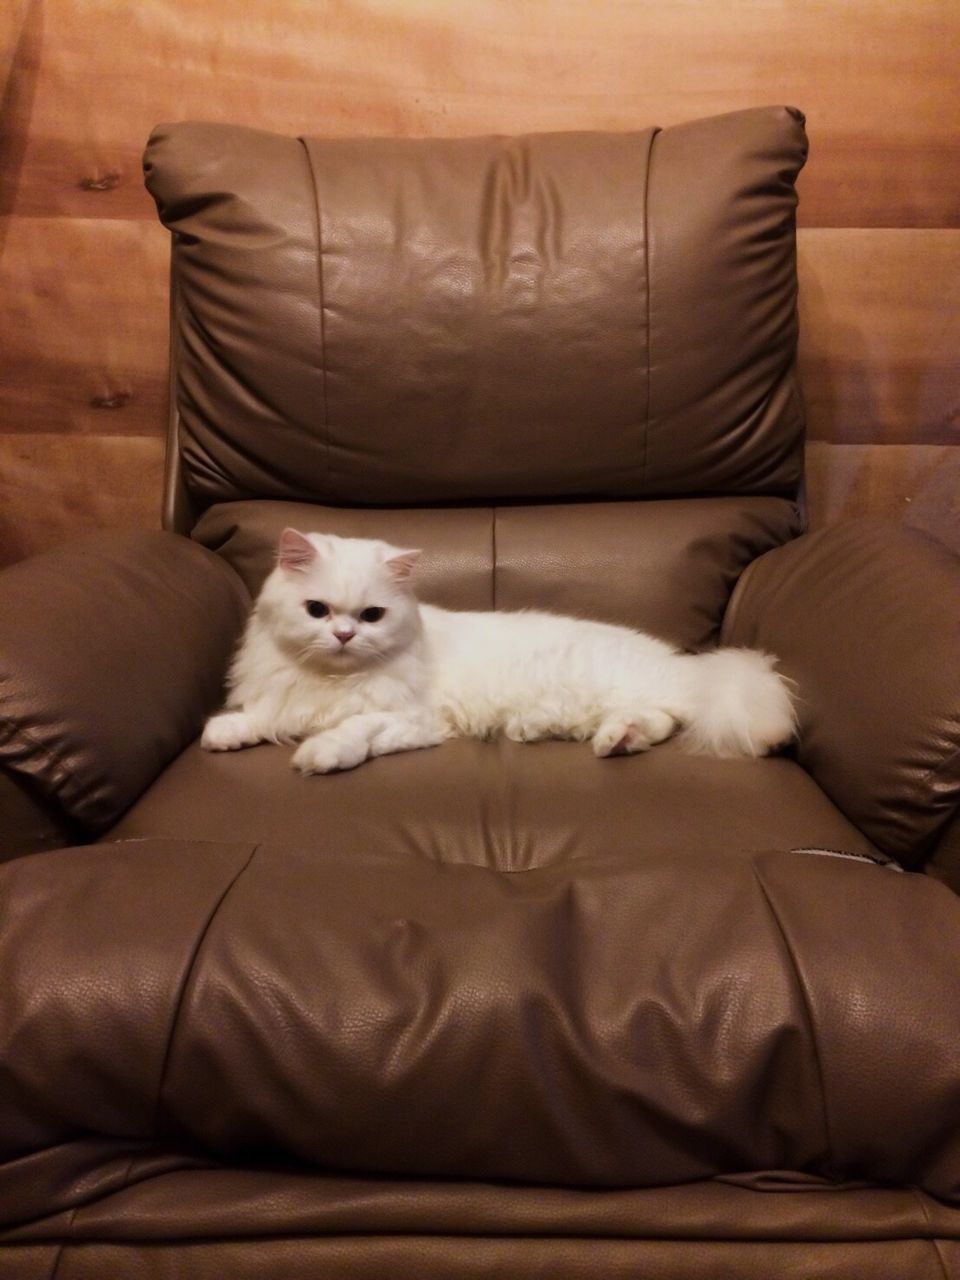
[(626, 737), (620, 739)]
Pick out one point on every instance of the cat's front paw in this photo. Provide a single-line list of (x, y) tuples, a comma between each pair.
[(326, 753), (229, 731)]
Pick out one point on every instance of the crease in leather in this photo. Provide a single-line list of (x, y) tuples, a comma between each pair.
[(42, 762), (202, 466), (328, 451), (185, 984), (271, 470), (544, 1237), (728, 622), (493, 557), (646, 268), (808, 1013), (231, 368), (233, 452), (934, 772), (932, 1236), (61, 1248)]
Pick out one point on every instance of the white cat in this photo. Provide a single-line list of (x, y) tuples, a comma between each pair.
[(339, 657)]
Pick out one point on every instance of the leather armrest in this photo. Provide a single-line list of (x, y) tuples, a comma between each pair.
[(865, 617), (112, 650)]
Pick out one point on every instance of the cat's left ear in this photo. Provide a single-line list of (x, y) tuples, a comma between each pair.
[(400, 564)]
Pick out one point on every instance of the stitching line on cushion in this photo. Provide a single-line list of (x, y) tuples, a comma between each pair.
[(808, 1013), (646, 268), (181, 995), (323, 320)]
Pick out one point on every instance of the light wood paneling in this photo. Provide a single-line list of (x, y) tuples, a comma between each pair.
[(918, 484), (83, 308), (53, 487), (875, 78), (83, 311), (880, 335)]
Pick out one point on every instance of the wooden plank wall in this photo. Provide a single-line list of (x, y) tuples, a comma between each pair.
[(83, 260)]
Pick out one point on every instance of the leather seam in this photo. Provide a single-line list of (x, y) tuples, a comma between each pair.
[(323, 320), (646, 271), (185, 984), (808, 1014)]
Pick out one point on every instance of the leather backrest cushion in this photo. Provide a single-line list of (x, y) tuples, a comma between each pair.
[(403, 321), (662, 566)]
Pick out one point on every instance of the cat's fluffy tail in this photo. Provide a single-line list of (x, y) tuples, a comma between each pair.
[(741, 705)]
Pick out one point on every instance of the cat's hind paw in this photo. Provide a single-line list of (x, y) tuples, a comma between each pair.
[(621, 737)]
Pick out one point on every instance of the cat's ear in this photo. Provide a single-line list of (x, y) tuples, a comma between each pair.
[(400, 564), (295, 552)]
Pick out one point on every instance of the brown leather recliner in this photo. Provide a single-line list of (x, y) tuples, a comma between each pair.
[(489, 1009)]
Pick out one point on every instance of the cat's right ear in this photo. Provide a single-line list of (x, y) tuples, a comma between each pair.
[(295, 552)]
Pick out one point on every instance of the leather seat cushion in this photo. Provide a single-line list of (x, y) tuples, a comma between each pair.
[(627, 1021), (499, 804)]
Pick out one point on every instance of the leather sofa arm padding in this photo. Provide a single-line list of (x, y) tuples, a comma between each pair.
[(865, 617), (112, 650)]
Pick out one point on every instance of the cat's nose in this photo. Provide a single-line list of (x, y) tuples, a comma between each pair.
[(344, 634)]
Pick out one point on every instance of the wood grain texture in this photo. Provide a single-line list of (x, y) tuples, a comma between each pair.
[(54, 487), (875, 78), (917, 484), (83, 263), (83, 311), (880, 335)]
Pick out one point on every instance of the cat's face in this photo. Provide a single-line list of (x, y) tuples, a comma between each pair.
[(340, 604)]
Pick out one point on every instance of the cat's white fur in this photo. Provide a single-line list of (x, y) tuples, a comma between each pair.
[(420, 675)]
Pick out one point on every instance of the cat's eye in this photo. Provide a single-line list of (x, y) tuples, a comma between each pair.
[(316, 608), (373, 614)]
